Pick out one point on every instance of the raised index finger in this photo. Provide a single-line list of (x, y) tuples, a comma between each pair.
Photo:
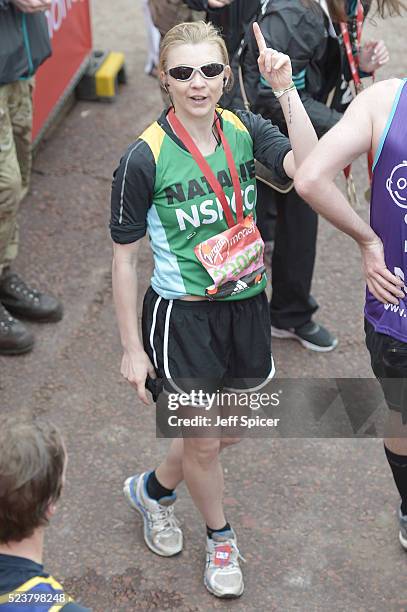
[(261, 43)]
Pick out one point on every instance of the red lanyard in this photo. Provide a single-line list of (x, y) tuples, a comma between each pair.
[(186, 140), (354, 62), (354, 68)]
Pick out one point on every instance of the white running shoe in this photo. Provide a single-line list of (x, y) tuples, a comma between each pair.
[(223, 576), (162, 533)]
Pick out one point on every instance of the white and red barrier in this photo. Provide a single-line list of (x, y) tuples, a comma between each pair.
[(70, 31)]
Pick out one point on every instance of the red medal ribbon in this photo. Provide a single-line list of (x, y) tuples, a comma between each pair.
[(353, 62), (354, 68), (187, 141)]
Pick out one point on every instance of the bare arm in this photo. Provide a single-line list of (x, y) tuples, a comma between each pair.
[(314, 181), (300, 131), (276, 68), (135, 363)]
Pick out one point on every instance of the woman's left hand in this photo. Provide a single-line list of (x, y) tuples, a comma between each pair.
[(275, 67), (385, 286), (373, 55)]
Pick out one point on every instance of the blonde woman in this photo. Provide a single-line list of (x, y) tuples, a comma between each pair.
[(198, 323)]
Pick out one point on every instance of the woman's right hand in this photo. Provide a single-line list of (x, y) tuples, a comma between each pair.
[(134, 368), (373, 55)]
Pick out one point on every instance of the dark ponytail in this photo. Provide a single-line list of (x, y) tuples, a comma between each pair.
[(390, 7), (337, 9)]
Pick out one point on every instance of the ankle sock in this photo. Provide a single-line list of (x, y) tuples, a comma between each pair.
[(155, 489), (210, 532), (398, 465)]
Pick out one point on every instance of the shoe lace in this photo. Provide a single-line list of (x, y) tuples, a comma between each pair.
[(6, 320), (19, 286), (233, 560), (163, 518)]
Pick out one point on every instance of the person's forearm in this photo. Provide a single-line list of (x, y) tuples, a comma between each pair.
[(322, 117), (300, 129), (326, 199), (124, 280)]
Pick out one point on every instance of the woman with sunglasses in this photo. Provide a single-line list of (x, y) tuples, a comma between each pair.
[(189, 181)]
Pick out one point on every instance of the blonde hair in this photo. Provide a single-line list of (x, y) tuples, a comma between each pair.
[(192, 33)]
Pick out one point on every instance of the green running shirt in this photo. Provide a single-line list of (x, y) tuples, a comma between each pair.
[(158, 188)]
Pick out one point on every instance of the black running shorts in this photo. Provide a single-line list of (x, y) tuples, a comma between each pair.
[(389, 363), (208, 346)]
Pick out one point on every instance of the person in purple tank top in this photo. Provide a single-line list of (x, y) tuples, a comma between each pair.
[(376, 119)]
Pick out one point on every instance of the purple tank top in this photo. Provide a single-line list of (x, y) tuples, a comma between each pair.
[(388, 215)]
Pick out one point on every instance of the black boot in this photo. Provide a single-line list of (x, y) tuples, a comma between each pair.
[(27, 303), (14, 336)]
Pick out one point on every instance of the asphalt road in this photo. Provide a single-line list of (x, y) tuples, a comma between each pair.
[(315, 518)]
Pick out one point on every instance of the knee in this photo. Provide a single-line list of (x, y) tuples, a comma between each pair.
[(202, 451), (10, 190), (398, 445)]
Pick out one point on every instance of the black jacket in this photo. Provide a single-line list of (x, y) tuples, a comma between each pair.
[(197, 5), (318, 60), (24, 42), (232, 19)]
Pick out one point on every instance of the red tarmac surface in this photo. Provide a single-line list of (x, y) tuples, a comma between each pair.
[(315, 518)]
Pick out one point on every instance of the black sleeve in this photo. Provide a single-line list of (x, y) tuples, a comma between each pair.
[(270, 146), (197, 5), (132, 193), (4, 4), (301, 42)]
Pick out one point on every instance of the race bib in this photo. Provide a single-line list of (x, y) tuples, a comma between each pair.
[(233, 259)]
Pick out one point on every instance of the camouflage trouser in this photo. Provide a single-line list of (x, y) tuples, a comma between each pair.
[(15, 161)]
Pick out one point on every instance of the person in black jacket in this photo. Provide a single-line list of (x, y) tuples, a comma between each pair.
[(24, 46), (303, 29), (231, 17), (234, 20)]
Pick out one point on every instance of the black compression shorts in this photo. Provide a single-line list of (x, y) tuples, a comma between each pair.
[(389, 364)]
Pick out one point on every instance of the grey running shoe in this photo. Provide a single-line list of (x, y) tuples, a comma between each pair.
[(403, 529), (162, 533), (223, 576), (311, 335)]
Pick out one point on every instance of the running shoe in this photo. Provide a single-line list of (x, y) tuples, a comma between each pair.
[(223, 576), (403, 529), (162, 533), (311, 335)]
